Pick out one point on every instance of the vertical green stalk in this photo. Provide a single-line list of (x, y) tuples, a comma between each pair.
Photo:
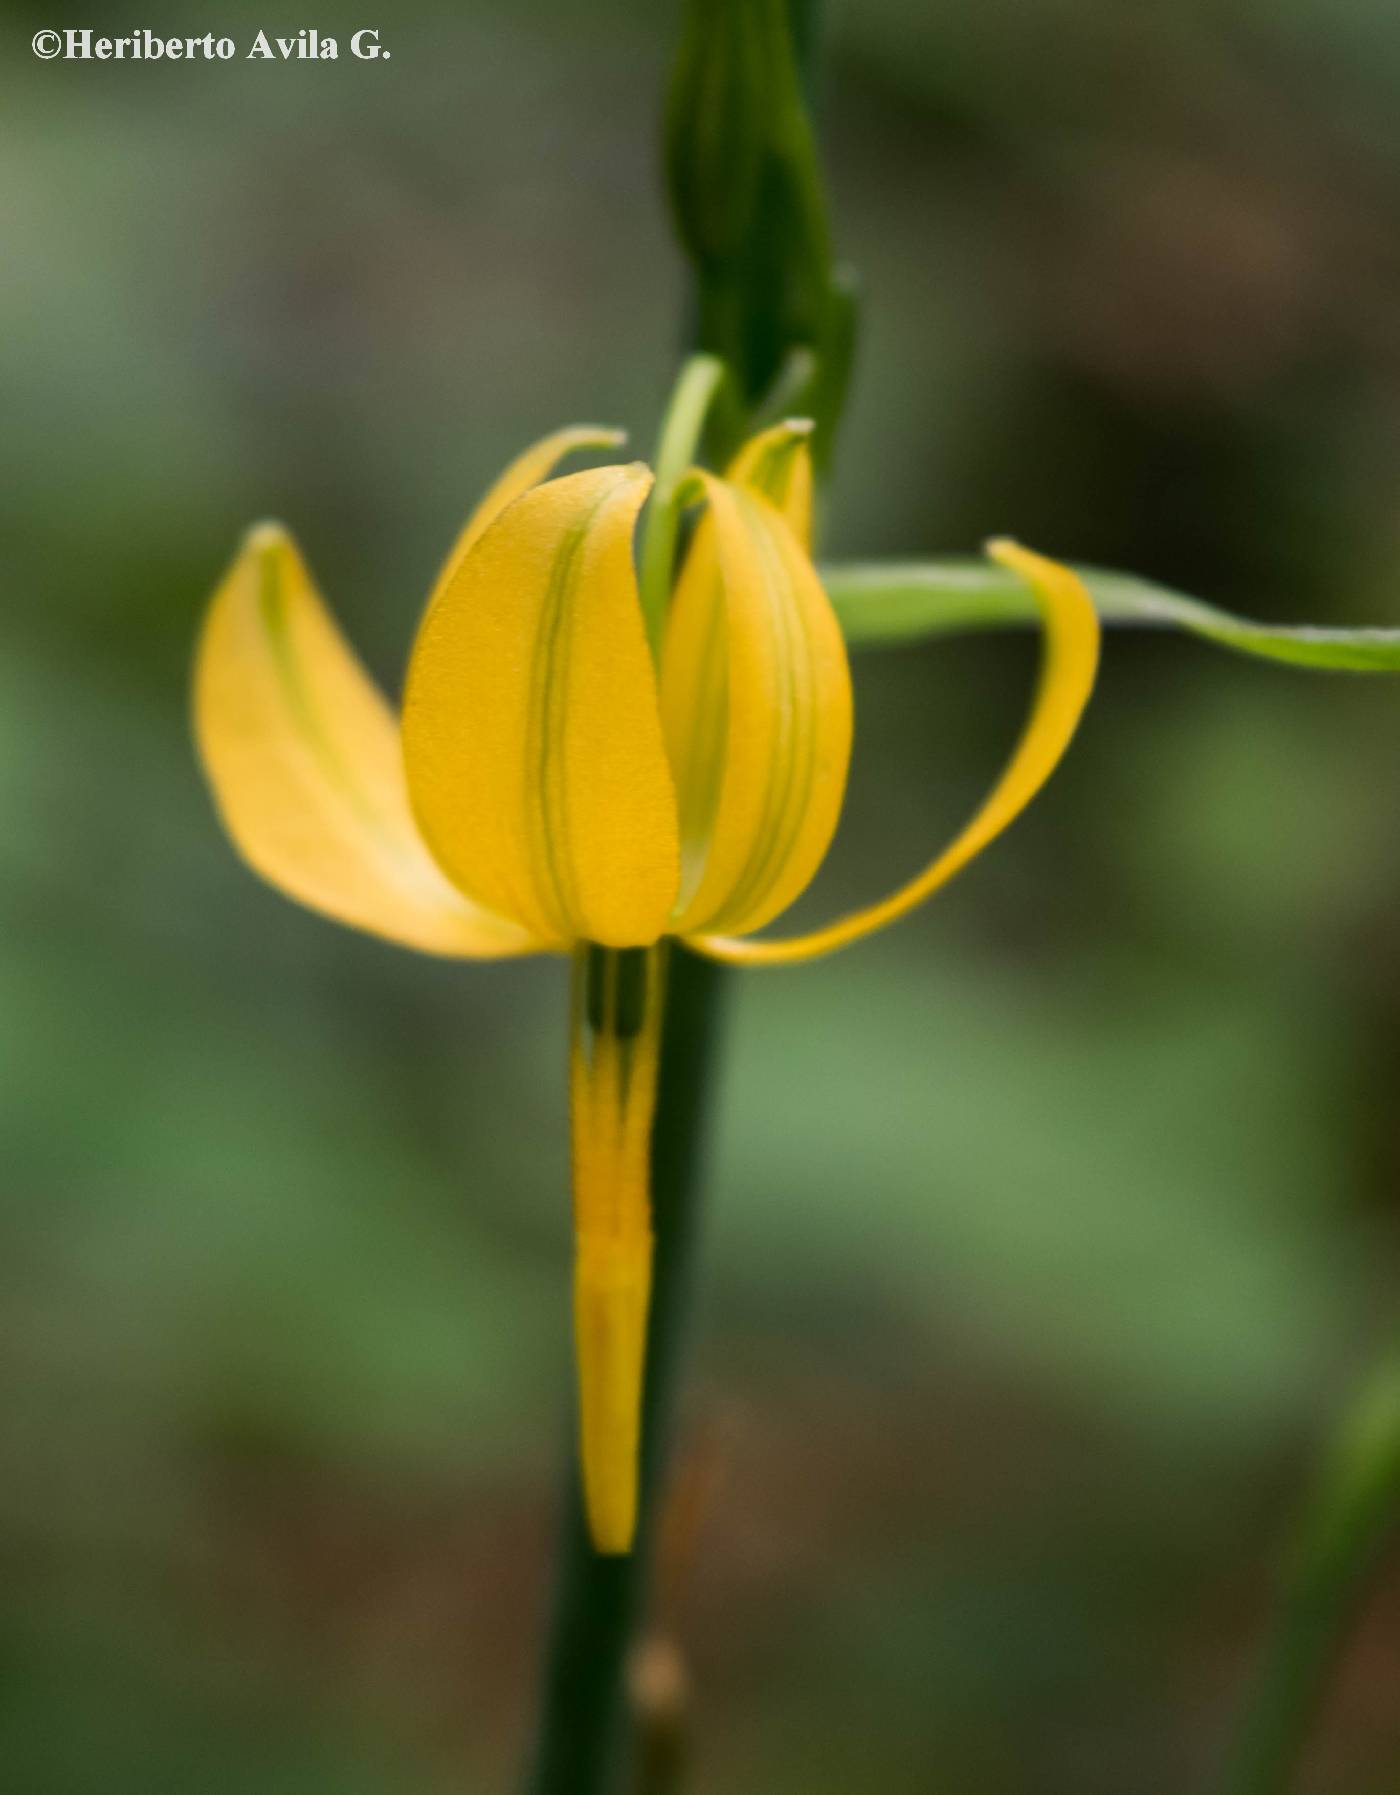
[(749, 207), (580, 1747), (749, 212)]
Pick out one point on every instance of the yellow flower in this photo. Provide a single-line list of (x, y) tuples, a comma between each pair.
[(551, 789)]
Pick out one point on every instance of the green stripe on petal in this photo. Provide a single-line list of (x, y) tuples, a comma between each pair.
[(532, 734), (756, 701)]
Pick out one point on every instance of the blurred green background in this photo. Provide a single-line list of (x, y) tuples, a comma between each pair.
[(1046, 1233)]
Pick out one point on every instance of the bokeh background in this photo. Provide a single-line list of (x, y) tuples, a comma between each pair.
[(1045, 1234)]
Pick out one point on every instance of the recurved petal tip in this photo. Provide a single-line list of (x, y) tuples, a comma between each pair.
[(267, 533), (1068, 665), (535, 464), (302, 754)]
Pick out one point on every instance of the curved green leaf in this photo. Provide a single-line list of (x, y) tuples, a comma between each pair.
[(906, 601), (1352, 1519)]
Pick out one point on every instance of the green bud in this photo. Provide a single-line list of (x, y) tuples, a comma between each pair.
[(746, 192), (717, 126)]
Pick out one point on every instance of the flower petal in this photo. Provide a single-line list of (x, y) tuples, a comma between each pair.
[(756, 700), (304, 759), (532, 734), (527, 470), (1066, 680), (778, 463)]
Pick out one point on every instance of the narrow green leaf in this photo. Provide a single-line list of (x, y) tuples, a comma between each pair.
[(904, 602), (1354, 1515)]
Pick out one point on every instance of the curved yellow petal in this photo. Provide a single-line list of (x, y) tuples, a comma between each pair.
[(756, 701), (778, 463), (304, 759), (532, 735), (1069, 663), (527, 470)]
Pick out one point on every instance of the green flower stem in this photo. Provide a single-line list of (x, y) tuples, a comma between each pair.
[(1354, 1516), (691, 398), (583, 1745), (582, 1742)]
